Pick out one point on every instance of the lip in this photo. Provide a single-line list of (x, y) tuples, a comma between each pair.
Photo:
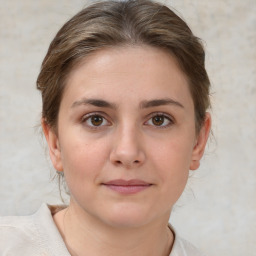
[(127, 186)]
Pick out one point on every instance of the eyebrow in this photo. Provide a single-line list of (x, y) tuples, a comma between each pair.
[(160, 102), (94, 102), (143, 104)]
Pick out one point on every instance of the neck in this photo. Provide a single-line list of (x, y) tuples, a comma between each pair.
[(84, 235)]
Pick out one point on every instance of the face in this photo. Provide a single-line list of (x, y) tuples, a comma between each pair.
[(126, 136)]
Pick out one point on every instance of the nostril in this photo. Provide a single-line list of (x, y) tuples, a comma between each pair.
[(120, 162)]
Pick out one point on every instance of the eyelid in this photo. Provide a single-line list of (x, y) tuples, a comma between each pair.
[(151, 115), (96, 113), (165, 115)]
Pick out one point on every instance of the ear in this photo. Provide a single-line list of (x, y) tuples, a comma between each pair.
[(201, 141), (53, 145)]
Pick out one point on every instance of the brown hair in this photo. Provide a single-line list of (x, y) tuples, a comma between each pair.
[(116, 23)]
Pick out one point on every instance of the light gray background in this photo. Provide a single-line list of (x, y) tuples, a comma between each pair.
[(218, 209)]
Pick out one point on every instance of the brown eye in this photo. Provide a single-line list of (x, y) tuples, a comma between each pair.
[(158, 120), (96, 120)]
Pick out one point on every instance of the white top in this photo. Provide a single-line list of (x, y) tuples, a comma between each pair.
[(37, 235)]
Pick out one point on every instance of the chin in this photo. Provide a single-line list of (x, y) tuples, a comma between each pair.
[(126, 222), (128, 217)]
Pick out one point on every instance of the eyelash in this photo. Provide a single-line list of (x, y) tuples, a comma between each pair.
[(88, 117), (165, 116)]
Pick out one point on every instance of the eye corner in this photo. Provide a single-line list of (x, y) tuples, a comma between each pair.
[(100, 120), (164, 120)]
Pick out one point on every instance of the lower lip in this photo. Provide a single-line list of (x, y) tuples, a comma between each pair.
[(131, 189)]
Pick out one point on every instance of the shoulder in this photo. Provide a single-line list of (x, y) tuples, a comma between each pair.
[(16, 233), (182, 247), (30, 235)]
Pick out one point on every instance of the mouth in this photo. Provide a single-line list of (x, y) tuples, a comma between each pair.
[(127, 186)]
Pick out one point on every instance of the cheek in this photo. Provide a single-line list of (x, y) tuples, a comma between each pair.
[(173, 152), (172, 160), (83, 161)]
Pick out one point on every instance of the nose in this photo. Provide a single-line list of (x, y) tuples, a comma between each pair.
[(127, 150)]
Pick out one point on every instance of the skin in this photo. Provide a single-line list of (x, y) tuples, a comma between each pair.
[(136, 136)]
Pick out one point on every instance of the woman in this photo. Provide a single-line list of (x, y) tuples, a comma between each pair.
[(125, 96)]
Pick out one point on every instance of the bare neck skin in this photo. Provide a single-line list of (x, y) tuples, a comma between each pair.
[(84, 235)]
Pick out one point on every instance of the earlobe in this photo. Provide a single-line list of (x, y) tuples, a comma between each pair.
[(53, 145), (201, 141)]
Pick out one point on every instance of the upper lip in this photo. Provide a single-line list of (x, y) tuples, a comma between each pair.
[(132, 182)]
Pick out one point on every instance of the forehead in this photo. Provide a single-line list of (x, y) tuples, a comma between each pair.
[(142, 71)]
